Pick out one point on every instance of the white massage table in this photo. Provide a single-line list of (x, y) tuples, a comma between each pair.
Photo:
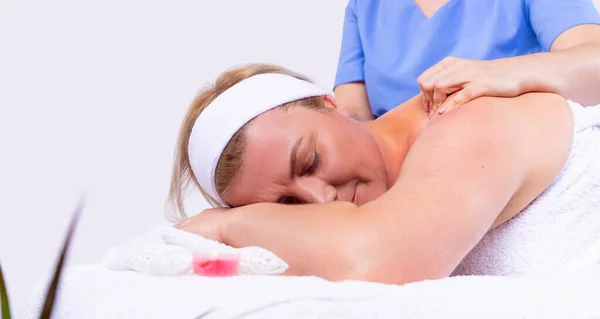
[(92, 292)]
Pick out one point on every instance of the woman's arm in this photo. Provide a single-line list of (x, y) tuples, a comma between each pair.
[(314, 239), (455, 182)]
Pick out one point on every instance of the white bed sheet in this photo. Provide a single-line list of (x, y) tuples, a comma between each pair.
[(91, 291)]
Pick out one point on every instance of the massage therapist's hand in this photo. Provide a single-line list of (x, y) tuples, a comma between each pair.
[(454, 82), (208, 224)]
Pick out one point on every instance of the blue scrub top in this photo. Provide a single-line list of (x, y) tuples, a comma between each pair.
[(388, 44)]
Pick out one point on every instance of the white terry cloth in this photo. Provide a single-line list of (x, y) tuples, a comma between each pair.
[(168, 251), (93, 292), (561, 228)]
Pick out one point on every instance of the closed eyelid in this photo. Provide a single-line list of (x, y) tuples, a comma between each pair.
[(306, 164), (312, 155), (315, 163), (294, 156)]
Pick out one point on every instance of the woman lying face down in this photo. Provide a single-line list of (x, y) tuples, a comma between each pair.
[(305, 151), (395, 200), (298, 154)]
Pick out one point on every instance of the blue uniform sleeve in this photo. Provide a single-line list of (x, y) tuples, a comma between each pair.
[(550, 18), (351, 60)]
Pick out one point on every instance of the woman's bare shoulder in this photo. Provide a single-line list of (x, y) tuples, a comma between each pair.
[(520, 144), (527, 115), (529, 102)]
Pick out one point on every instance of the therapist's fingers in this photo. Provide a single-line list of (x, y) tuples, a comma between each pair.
[(443, 82), (469, 93), (426, 82), (447, 82), (427, 96), (442, 94), (439, 96)]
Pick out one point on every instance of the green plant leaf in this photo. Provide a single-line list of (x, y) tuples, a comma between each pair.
[(4, 298), (52, 290)]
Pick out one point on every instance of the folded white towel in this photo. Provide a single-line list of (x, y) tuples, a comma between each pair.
[(169, 251)]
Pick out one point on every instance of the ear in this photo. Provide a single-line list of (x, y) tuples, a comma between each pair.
[(332, 103)]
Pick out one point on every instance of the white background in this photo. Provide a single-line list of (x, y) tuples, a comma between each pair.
[(92, 95), (91, 98)]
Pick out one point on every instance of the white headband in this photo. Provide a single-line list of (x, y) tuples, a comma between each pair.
[(235, 107)]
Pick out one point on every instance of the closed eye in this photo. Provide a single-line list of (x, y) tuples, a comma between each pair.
[(315, 164)]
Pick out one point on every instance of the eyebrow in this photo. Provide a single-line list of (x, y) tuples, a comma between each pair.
[(293, 156)]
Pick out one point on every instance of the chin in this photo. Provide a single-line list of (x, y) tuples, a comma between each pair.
[(376, 194), (368, 196)]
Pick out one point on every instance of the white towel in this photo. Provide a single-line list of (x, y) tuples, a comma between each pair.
[(168, 251), (93, 292)]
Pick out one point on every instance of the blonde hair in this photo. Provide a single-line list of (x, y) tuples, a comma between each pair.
[(231, 158)]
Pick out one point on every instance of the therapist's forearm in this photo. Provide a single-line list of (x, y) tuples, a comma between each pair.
[(573, 73), (352, 97), (360, 112)]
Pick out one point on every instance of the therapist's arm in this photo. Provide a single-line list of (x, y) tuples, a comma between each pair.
[(350, 90), (568, 33), (570, 69), (353, 97)]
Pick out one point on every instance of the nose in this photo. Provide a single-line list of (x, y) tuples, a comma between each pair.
[(311, 189)]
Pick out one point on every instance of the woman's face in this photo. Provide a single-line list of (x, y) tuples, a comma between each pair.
[(302, 155)]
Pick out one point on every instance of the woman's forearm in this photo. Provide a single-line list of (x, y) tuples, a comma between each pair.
[(573, 73), (321, 239)]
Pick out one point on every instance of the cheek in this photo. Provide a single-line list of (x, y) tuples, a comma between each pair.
[(352, 156), (365, 155)]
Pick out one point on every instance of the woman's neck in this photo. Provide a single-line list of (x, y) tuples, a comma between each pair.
[(396, 131)]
